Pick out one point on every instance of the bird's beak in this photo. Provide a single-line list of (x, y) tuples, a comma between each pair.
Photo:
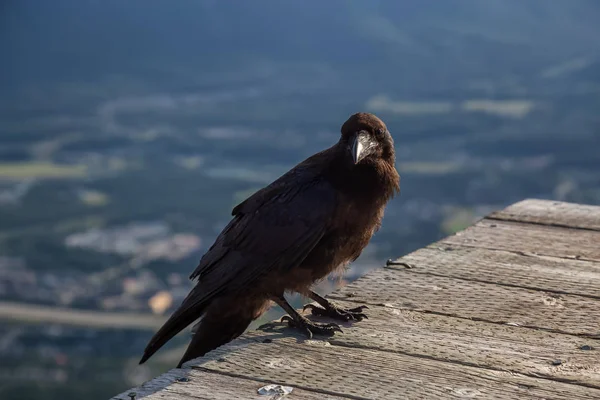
[(360, 146)]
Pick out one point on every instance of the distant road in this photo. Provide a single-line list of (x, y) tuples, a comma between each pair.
[(34, 313)]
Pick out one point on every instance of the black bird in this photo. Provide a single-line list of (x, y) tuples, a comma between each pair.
[(313, 220)]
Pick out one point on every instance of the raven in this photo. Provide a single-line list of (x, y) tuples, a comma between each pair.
[(313, 220)]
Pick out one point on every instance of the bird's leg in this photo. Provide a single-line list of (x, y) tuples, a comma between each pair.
[(331, 310), (294, 319)]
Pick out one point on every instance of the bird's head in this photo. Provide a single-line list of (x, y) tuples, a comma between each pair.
[(367, 140)]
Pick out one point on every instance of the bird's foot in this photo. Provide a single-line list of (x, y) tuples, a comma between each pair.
[(333, 311), (310, 327)]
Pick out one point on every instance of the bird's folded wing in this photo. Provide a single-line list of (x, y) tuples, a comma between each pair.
[(279, 233)]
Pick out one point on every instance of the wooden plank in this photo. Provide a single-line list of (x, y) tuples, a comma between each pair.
[(202, 385), (502, 347), (530, 238), (372, 374), (476, 300), (558, 275), (547, 212), (149, 388)]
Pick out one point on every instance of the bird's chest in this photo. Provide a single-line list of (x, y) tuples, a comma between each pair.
[(354, 223), (358, 221)]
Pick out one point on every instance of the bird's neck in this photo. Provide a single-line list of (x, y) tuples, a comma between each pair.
[(374, 180)]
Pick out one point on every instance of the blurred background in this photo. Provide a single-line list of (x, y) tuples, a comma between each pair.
[(129, 129)]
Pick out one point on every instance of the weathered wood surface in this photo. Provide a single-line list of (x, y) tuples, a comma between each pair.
[(531, 239), (474, 343), (547, 212), (507, 268), (507, 309), (194, 384), (569, 314), (372, 374)]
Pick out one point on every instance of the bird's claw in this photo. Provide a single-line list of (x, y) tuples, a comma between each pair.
[(311, 328), (354, 314)]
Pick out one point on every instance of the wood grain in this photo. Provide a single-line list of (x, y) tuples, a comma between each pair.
[(475, 343), (476, 300), (554, 274), (204, 385), (501, 347), (547, 212), (371, 374), (530, 238)]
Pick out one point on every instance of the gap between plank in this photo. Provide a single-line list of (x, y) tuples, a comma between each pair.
[(333, 342), (512, 285), (412, 355), (551, 224), (523, 253), (441, 245), (350, 299), (467, 364)]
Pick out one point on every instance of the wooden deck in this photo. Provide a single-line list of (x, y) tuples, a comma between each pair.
[(506, 309)]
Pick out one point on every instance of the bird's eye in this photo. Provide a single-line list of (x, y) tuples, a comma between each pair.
[(380, 132)]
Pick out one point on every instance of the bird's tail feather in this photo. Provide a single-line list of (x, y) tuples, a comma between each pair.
[(180, 319), (214, 330)]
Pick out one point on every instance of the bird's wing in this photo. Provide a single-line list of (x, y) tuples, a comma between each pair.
[(301, 176), (276, 230)]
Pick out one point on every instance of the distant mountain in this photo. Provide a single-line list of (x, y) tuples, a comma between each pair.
[(413, 47)]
